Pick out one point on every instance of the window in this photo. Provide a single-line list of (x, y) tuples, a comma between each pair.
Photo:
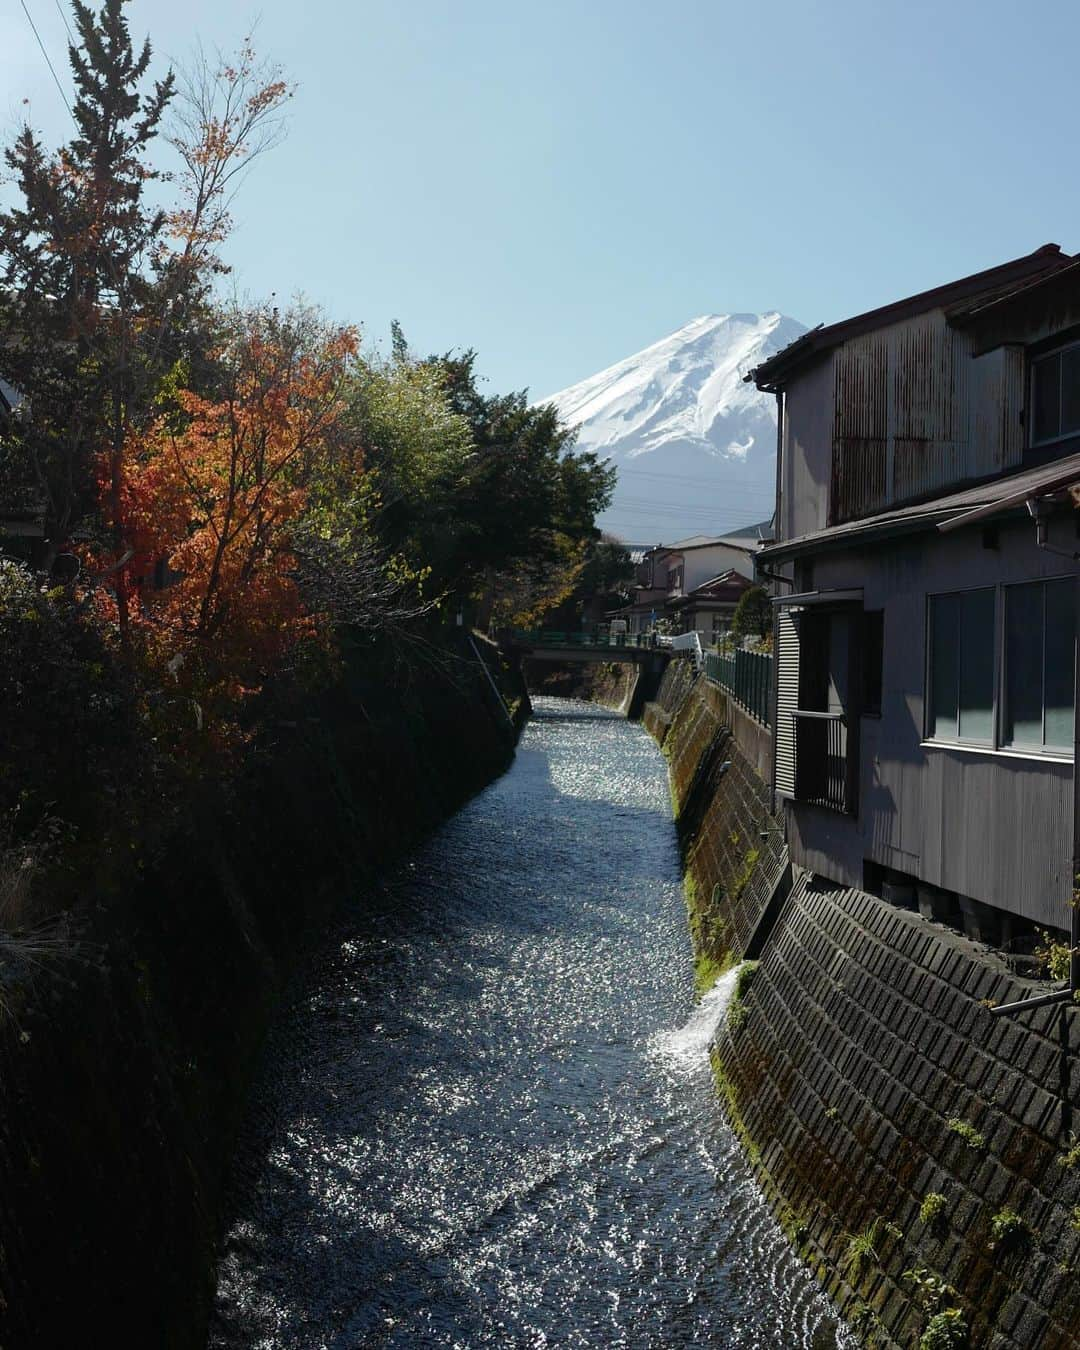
[(1055, 395), (826, 742), (1040, 626), (873, 639), (961, 667)]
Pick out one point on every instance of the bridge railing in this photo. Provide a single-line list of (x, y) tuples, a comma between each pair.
[(551, 637), (747, 676)]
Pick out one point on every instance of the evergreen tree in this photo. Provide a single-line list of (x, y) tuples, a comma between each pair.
[(78, 258)]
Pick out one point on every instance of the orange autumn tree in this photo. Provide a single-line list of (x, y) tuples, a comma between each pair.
[(209, 494)]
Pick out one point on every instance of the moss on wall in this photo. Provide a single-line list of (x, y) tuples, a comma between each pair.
[(920, 1154)]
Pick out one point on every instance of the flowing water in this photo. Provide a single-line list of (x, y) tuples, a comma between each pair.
[(489, 1120)]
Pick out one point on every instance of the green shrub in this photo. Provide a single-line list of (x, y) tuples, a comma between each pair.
[(1070, 1159), (1055, 954), (932, 1210), (947, 1330), (1009, 1231), (932, 1290)]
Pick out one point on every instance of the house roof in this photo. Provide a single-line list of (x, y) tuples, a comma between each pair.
[(984, 286), (724, 589), (725, 582), (967, 507), (705, 541)]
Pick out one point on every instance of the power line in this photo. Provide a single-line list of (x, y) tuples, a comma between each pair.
[(60, 11), (45, 54)]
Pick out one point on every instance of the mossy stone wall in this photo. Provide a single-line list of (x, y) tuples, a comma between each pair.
[(866, 1078)]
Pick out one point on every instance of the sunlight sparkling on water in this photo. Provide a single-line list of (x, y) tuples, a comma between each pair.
[(489, 1120)]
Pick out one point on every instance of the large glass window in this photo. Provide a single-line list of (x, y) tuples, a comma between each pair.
[(961, 683), (1040, 620), (1055, 395)]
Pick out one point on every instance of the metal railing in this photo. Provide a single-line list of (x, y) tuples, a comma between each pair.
[(552, 637), (822, 768), (747, 676)]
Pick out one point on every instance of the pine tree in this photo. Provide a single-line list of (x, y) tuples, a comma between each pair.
[(78, 257)]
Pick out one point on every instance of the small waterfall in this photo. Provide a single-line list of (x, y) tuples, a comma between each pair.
[(689, 1044)]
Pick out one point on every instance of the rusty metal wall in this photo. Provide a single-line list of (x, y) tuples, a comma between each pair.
[(915, 414)]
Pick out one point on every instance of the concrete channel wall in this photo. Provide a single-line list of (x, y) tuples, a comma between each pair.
[(918, 1152)]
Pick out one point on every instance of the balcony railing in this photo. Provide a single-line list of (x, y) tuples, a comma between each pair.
[(824, 772), (747, 676)]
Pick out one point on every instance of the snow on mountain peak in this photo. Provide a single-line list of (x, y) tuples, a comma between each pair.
[(694, 444)]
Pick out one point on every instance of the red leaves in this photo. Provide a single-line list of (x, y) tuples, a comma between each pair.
[(211, 495)]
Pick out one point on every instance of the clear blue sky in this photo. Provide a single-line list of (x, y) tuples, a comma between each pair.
[(558, 184)]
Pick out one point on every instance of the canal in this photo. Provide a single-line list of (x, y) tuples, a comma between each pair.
[(488, 1117)]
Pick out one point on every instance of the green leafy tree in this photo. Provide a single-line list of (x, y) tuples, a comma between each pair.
[(530, 500), (753, 614)]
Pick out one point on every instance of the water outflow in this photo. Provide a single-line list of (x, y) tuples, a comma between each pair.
[(489, 1119)]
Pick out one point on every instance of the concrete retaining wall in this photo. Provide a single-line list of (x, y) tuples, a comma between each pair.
[(865, 1076)]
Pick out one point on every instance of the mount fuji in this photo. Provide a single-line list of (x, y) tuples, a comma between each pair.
[(695, 447)]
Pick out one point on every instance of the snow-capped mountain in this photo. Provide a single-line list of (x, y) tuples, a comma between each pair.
[(695, 447)]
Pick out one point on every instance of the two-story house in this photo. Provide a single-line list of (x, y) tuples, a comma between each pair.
[(925, 565), (678, 582)]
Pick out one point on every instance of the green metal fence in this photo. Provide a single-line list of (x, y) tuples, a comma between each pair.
[(747, 676)]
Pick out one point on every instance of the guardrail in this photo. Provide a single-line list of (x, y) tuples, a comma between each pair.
[(747, 676)]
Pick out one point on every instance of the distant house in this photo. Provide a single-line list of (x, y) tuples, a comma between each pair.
[(710, 607), (925, 564), (669, 574)]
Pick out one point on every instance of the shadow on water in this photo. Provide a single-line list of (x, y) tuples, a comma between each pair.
[(488, 1120)]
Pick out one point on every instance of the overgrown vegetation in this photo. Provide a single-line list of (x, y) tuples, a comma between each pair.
[(946, 1330), (1055, 955), (861, 1248), (1009, 1232), (932, 1290), (966, 1131), (737, 1007), (1070, 1159), (203, 504), (932, 1210)]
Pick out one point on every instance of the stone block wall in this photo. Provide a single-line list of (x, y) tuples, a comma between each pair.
[(865, 1075), (733, 849)]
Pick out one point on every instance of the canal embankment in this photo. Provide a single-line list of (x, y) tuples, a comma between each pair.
[(919, 1153), (488, 1118), (128, 1047)]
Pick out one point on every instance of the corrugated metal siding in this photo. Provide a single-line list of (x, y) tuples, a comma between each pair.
[(787, 700), (914, 413), (999, 829), (996, 398), (995, 827)]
